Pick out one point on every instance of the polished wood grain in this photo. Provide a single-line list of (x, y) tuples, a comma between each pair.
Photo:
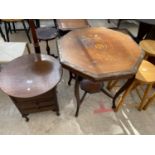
[(30, 75), (100, 53), (71, 24), (148, 46)]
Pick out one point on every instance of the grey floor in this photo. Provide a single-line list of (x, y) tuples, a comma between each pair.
[(92, 120)]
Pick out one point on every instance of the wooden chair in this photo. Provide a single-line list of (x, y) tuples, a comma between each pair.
[(144, 75), (8, 28)]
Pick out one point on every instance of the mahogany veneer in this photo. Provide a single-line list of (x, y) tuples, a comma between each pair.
[(31, 82)]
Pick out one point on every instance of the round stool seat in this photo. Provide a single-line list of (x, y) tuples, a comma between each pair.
[(46, 33), (146, 72), (148, 46)]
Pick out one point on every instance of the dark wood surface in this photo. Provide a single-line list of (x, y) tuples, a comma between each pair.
[(30, 75), (100, 53), (71, 24), (44, 102)]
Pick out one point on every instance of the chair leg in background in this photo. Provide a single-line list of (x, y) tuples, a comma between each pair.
[(6, 31), (14, 28), (2, 34), (26, 31)]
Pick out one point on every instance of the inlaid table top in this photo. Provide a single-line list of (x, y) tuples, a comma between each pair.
[(71, 24), (11, 50), (30, 75), (100, 53)]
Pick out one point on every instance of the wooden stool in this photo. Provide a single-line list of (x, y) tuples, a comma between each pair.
[(46, 34), (7, 24), (145, 75), (149, 47)]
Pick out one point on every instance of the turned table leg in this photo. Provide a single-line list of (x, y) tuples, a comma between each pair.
[(77, 95)]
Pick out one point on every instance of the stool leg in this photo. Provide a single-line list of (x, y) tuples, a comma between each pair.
[(2, 34), (119, 23), (6, 31), (108, 20), (109, 84), (14, 28), (121, 101), (148, 88), (28, 49), (47, 48), (149, 102), (37, 23), (9, 24), (26, 31), (113, 84)]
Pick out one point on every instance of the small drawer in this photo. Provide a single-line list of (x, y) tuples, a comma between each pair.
[(26, 105), (46, 103)]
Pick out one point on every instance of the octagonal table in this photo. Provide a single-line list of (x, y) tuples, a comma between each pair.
[(100, 54)]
